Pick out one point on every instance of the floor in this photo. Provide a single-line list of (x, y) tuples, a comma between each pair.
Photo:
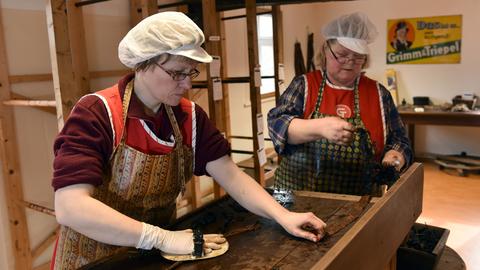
[(453, 202)]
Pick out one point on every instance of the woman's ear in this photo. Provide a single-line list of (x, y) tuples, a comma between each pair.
[(367, 62)]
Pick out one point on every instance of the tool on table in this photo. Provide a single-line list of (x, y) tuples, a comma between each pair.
[(284, 197)]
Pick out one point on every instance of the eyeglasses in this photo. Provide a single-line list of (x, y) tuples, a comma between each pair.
[(180, 76), (344, 59)]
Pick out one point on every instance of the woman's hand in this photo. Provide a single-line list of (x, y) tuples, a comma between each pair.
[(393, 158), (253, 197), (176, 242), (335, 129), (304, 225)]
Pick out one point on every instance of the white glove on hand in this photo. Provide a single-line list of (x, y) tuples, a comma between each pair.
[(173, 242)]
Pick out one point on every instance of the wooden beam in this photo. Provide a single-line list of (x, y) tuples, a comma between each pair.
[(149, 7), (212, 31), (255, 99), (29, 78), (46, 243), (194, 184), (66, 86), (189, 201), (260, 11), (48, 76), (30, 103), (381, 229), (225, 87), (78, 48), (229, 5), (196, 192), (213, 45), (82, 3), (277, 20), (330, 196), (39, 208), (45, 109), (12, 178), (135, 12)]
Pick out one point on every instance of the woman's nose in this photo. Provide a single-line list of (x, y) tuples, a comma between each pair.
[(186, 83)]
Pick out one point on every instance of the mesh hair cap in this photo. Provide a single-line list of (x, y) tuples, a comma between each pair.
[(166, 32), (353, 31)]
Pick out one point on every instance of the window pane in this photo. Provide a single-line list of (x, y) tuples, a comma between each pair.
[(268, 86), (266, 60), (265, 51), (264, 26)]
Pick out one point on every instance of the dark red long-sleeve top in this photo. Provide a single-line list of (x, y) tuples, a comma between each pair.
[(84, 146)]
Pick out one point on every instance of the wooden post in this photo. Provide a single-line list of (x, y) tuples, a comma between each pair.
[(213, 45), (194, 184), (223, 72), (255, 98), (78, 47), (277, 47), (11, 169), (196, 192), (69, 81), (149, 7), (135, 12)]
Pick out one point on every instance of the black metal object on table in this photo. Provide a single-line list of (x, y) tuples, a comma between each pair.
[(198, 243), (285, 198)]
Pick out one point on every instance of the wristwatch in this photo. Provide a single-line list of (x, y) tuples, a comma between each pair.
[(198, 243)]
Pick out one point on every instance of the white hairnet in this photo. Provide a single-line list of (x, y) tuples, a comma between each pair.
[(353, 31), (166, 32)]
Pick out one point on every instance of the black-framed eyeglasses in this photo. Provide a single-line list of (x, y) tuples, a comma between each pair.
[(180, 76), (344, 59)]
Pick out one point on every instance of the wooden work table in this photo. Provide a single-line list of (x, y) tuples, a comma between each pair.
[(369, 243), (436, 117)]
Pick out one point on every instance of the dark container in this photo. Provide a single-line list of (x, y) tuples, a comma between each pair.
[(421, 101), (422, 248)]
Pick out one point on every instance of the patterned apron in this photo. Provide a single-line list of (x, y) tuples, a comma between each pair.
[(141, 186), (326, 166)]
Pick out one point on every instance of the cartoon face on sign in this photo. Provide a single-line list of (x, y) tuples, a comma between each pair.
[(401, 35)]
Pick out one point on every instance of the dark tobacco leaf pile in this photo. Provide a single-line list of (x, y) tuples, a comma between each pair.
[(375, 172), (423, 238)]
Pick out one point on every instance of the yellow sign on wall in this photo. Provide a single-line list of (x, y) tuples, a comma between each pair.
[(428, 40)]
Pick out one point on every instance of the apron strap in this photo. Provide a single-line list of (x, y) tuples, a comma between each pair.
[(178, 145)]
